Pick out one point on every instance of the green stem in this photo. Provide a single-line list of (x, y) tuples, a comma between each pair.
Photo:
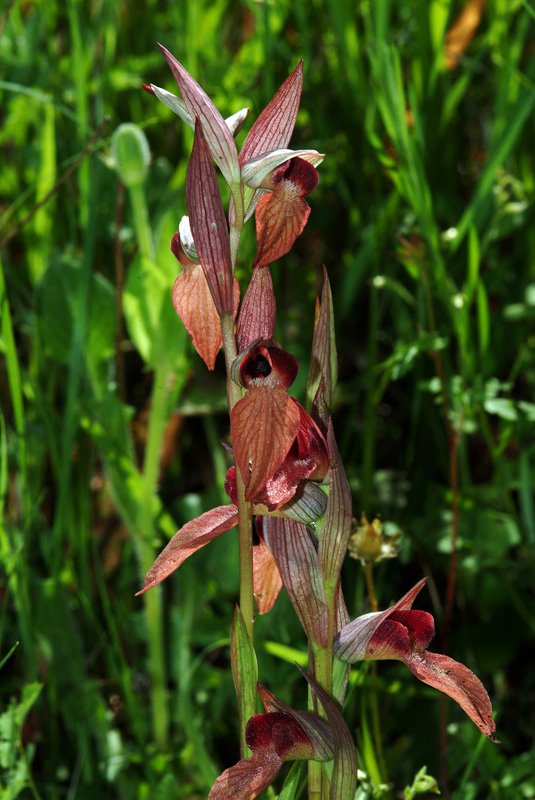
[(152, 599), (141, 221), (247, 706), (237, 227)]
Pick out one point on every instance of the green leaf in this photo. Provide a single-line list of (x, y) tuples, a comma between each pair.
[(244, 667), (291, 784)]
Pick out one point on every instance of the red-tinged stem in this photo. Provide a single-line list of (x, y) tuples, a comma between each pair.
[(247, 707)]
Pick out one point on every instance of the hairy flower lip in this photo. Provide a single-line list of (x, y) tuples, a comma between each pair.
[(281, 215)]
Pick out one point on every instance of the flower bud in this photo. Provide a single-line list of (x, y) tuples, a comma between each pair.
[(131, 154)]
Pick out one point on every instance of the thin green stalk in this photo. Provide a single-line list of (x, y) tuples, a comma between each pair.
[(245, 525), (141, 221), (152, 599)]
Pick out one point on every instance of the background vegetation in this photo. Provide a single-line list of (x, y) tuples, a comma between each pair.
[(110, 426)]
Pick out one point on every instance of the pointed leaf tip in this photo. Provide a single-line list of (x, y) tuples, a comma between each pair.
[(274, 127), (200, 106)]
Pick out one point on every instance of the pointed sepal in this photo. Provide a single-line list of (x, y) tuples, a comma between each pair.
[(274, 127), (177, 105), (199, 106), (324, 361), (336, 528), (208, 224), (296, 557), (190, 538), (258, 310)]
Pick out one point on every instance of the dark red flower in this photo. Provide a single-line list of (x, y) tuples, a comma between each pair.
[(283, 734), (403, 634)]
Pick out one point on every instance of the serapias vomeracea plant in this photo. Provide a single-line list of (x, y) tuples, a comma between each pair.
[(287, 473)]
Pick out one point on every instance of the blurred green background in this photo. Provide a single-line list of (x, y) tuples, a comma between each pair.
[(110, 425)]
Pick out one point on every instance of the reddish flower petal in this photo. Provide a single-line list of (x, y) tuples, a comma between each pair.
[(280, 489), (402, 634), (317, 729), (190, 538), (264, 424), (351, 644), (258, 309), (274, 127), (279, 732), (266, 578), (208, 223), (194, 305), (458, 682), (246, 779), (199, 105), (420, 627), (282, 214), (389, 641)]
